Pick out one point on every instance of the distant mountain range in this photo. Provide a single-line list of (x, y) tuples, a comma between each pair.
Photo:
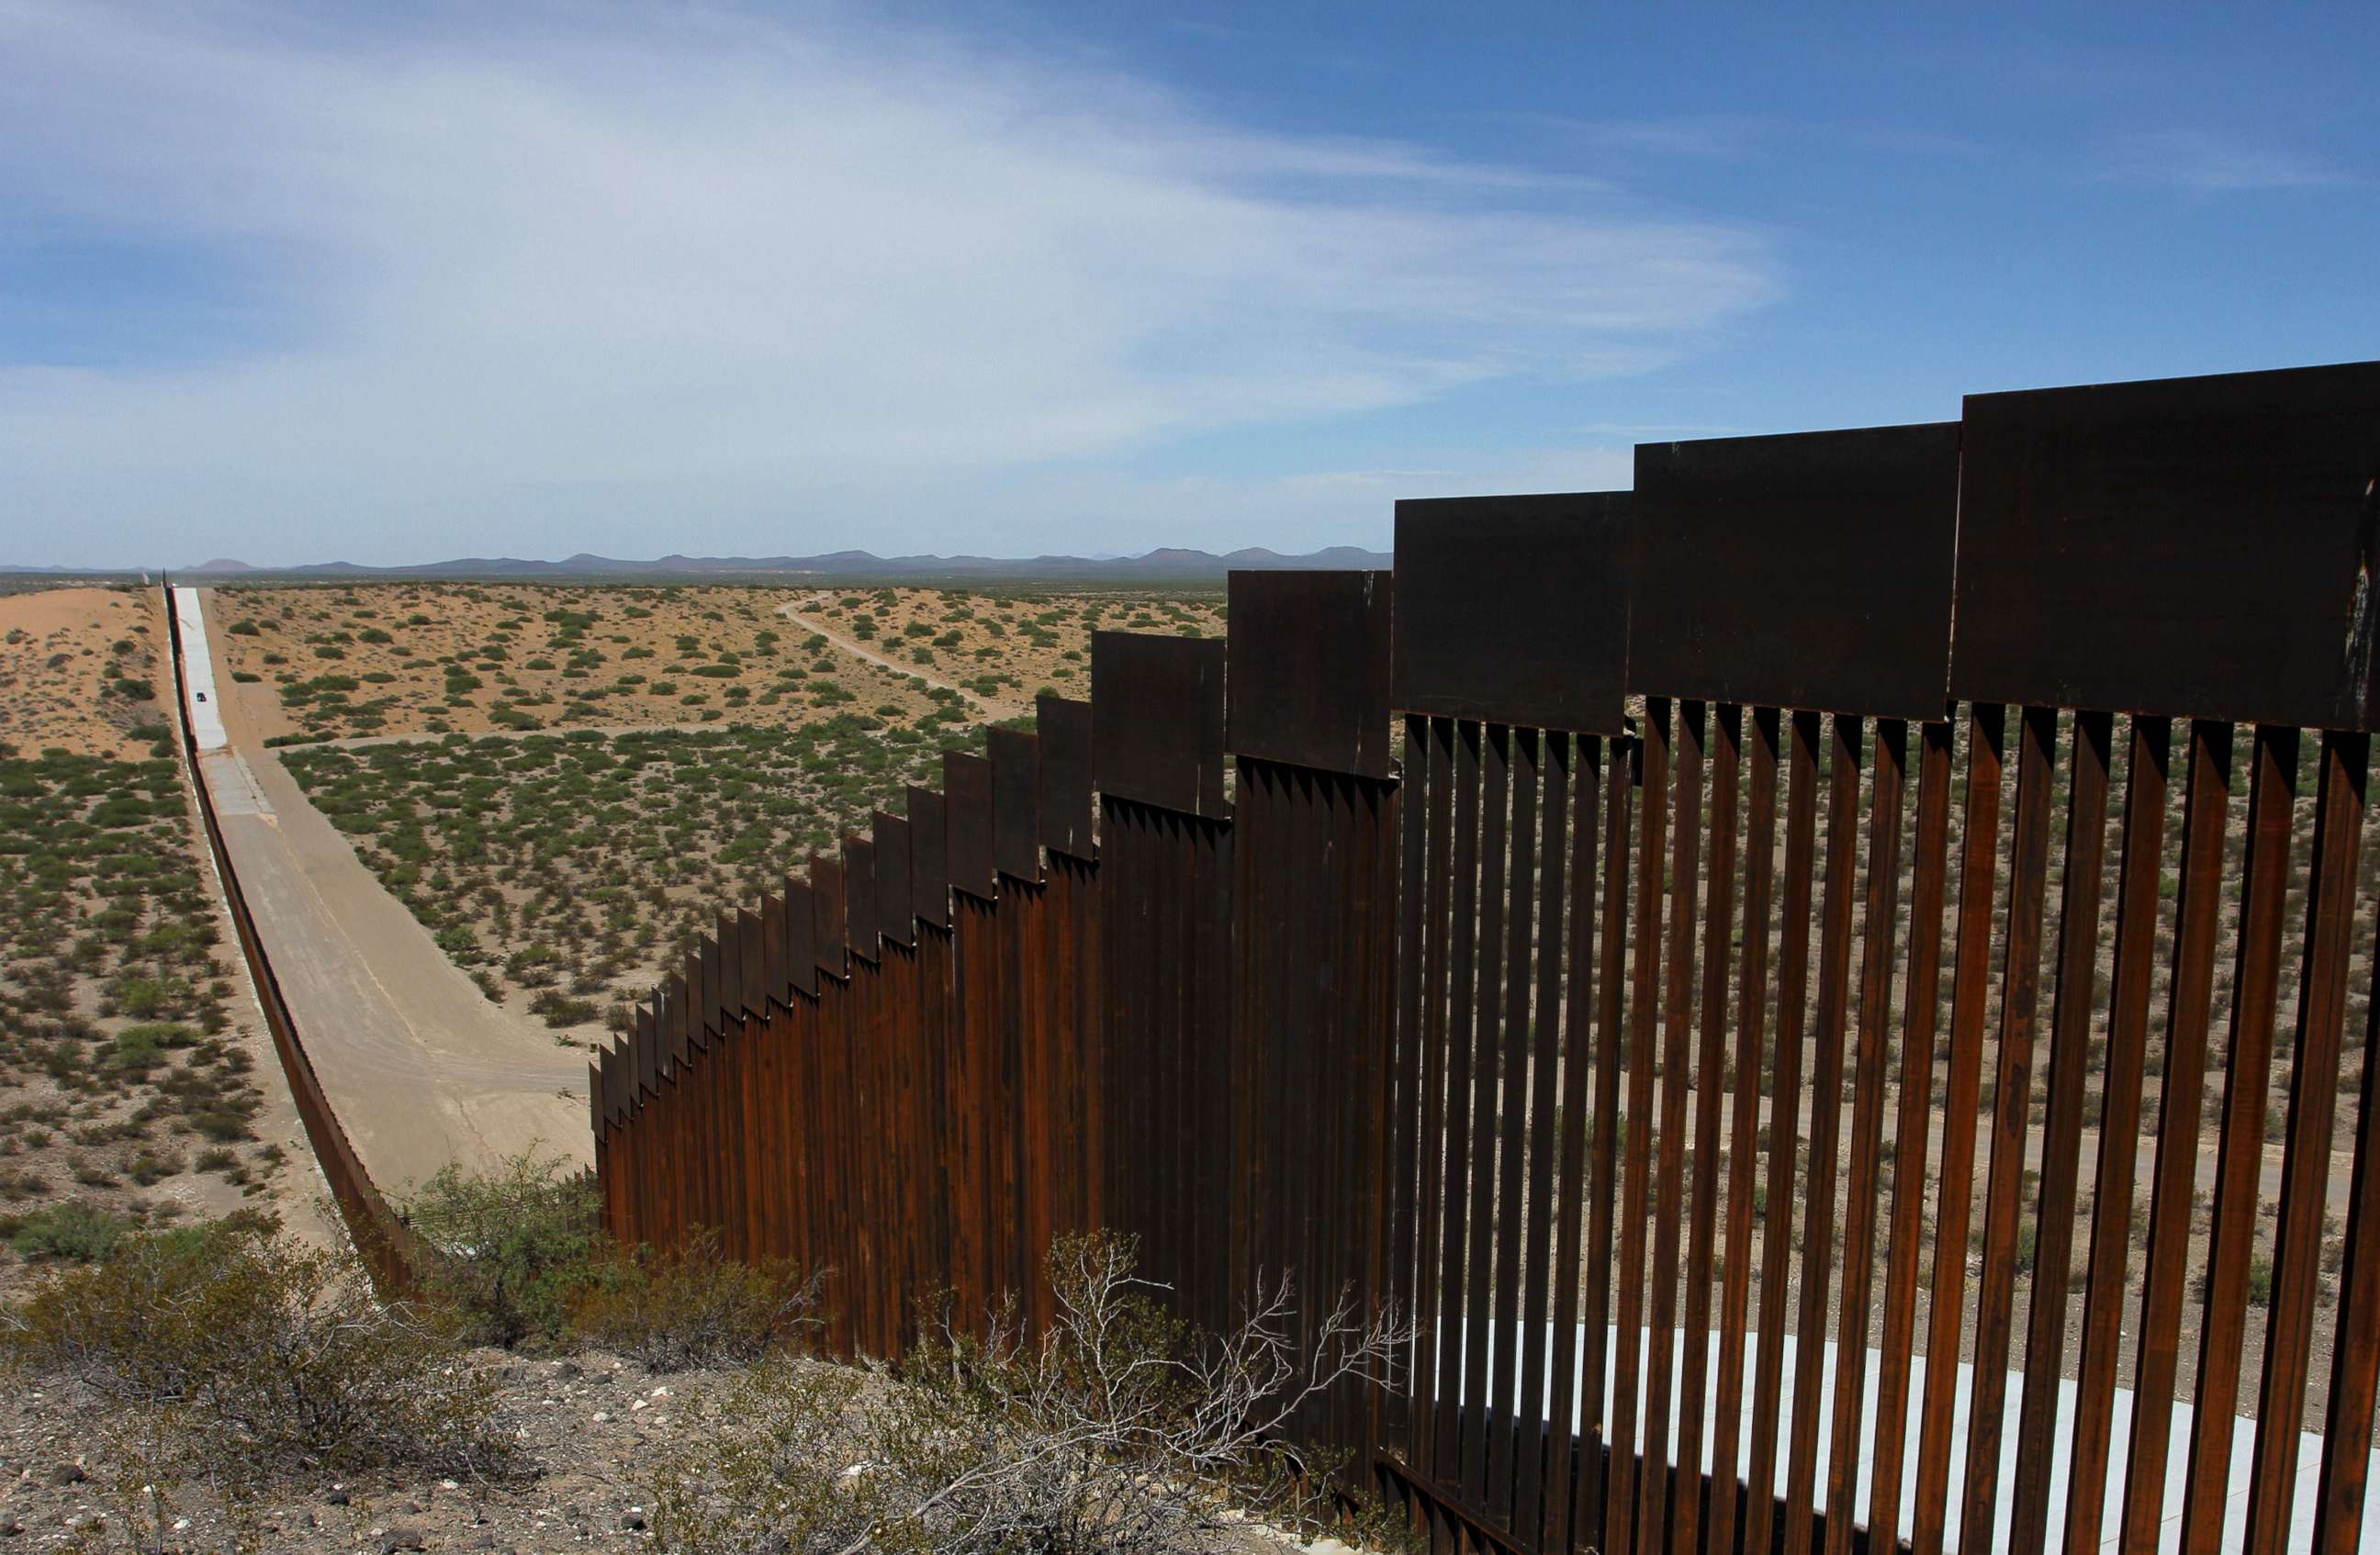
[(1171, 565)]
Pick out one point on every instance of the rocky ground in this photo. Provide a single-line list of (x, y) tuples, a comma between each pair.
[(593, 1428), (590, 1426)]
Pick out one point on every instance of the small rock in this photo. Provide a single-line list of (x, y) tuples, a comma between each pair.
[(403, 1539), (336, 1497), (633, 1519), (602, 1416)]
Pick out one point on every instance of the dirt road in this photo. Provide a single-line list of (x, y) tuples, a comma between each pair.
[(420, 1066), (985, 707)]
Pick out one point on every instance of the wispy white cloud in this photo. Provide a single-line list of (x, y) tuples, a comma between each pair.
[(2194, 162), (690, 273)]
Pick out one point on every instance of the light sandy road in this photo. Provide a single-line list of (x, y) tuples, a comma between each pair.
[(421, 1068), (984, 707)]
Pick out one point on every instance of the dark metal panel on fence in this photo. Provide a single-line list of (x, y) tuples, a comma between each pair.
[(1514, 608), (1156, 721), (801, 938), (1015, 760), (827, 916), (968, 847), (1309, 670), (1064, 727), (1315, 874), (1857, 529), (2200, 546), (1165, 984), (753, 963), (711, 988), (860, 915), (929, 870), (895, 893), (774, 974)]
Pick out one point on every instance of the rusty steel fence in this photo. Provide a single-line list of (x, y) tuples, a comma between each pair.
[(1833, 992)]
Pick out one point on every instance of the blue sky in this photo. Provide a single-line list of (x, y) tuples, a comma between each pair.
[(279, 284)]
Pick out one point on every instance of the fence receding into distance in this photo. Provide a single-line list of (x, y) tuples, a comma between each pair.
[(1888, 895)]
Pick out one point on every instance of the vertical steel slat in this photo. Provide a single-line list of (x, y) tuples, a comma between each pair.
[(1463, 945), (1743, 1132), (1405, 1112), (1826, 1125), (1963, 1084), (1784, 1124), (2305, 1170), (1652, 841), (1427, 1385), (1496, 764), (2087, 1447), (1577, 1036), (2355, 1367), (1910, 1131), (1710, 1086), (1512, 1136), (1592, 1492), (1677, 1011), (2012, 1098), (2070, 1044), (1546, 1117), (1879, 916), (2240, 1162), (2189, 1026)]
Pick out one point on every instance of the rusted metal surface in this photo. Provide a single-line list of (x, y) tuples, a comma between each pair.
[(1514, 609), (895, 895), (2238, 1160), (2313, 1100), (1879, 921), (2095, 522), (861, 918), (1579, 1047), (1064, 727), (1856, 528), (1309, 656), (1016, 803), (1156, 721), (966, 829), (929, 864)]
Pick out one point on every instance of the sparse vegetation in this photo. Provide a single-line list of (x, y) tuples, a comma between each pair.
[(118, 1046), (1118, 1433), (570, 869), (231, 1353)]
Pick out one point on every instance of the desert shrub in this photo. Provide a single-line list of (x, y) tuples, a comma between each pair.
[(261, 1358), (70, 1231), (697, 1307), (558, 1009), (1118, 1432), (520, 1249)]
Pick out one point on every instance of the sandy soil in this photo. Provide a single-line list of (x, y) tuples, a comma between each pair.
[(65, 682), (414, 659)]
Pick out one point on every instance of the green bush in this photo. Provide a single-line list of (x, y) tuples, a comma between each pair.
[(72, 1231), (697, 1307), (255, 1357), (519, 1250)]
